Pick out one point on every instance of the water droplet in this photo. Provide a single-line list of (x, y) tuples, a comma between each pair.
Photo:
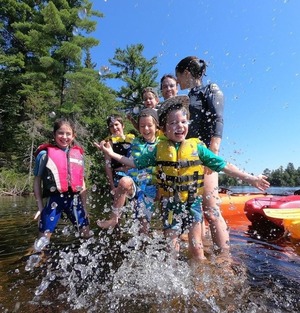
[(43, 286), (31, 262), (104, 69), (82, 13), (136, 110), (41, 243), (79, 188), (75, 31)]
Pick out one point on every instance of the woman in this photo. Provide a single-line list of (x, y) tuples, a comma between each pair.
[(206, 110)]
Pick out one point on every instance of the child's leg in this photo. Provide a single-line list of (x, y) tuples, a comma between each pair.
[(172, 237), (144, 226), (195, 241), (125, 189), (212, 213), (85, 232), (50, 216)]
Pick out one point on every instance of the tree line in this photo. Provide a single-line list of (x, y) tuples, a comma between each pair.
[(46, 72), (281, 177)]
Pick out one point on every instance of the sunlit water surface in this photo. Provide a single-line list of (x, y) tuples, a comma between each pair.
[(122, 272)]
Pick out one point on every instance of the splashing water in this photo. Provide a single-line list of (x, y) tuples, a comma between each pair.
[(115, 274), (128, 272)]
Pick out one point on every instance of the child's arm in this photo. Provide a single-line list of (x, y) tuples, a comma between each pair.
[(259, 182), (37, 189), (108, 171), (214, 146), (107, 149), (83, 196)]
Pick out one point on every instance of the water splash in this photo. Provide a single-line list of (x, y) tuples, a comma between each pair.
[(117, 273)]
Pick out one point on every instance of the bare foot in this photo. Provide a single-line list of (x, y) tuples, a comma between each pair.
[(107, 223)]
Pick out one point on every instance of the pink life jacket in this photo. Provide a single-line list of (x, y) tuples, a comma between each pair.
[(67, 168)]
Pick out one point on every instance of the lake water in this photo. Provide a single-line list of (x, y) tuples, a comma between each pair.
[(111, 273)]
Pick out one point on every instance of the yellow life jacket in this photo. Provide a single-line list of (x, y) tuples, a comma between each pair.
[(179, 173), (120, 145)]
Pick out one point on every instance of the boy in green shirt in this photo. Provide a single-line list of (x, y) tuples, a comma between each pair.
[(180, 170)]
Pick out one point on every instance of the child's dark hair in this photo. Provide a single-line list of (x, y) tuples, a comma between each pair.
[(114, 117), (148, 112), (194, 65), (175, 106), (63, 121)]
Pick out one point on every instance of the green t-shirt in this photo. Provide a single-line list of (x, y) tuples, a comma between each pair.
[(207, 157)]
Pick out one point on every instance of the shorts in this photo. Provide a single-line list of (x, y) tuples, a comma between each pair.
[(180, 216), (117, 176), (67, 203), (143, 200)]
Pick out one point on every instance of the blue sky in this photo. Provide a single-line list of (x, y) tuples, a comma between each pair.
[(253, 51)]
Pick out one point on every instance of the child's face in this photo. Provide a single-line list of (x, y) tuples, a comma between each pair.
[(177, 125), (147, 128), (150, 101), (116, 128), (64, 136), (169, 88)]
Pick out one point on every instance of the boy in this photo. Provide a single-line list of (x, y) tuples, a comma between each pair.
[(121, 144), (138, 184), (180, 169)]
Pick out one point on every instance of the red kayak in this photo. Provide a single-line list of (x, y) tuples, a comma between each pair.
[(254, 209)]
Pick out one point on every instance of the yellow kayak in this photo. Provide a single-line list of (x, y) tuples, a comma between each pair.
[(290, 218), (293, 227)]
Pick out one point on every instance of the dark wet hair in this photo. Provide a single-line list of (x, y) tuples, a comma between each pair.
[(63, 121), (196, 66), (167, 76), (114, 117), (172, 104), (149, 112)]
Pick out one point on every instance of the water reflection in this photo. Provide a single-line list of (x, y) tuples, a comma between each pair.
[(120, 273)]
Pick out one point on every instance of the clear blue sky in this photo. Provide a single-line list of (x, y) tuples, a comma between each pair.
[(253, 51)]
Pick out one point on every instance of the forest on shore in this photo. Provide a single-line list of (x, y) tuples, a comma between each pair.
[(46, 72)]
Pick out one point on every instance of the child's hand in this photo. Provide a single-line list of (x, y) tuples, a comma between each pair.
[(104, 146), (261, 182)]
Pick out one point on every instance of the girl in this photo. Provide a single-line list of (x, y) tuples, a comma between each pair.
[(59, 177)]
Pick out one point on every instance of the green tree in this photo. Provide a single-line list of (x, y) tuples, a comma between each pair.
[(46, 71), (136, 73)]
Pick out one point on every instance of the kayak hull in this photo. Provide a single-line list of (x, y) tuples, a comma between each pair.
[(233, 204), (255, 214)]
